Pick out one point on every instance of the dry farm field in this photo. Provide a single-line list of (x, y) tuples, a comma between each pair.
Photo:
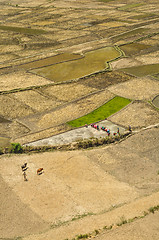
[(61, 60)]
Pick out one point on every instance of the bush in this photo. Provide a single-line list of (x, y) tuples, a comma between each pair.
[(82, 236), (1, 151), (16, 148)]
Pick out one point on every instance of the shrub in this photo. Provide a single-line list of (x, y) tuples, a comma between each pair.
[(80, 144), (96, 232), (1, 151), (82, 236), (16, 148)]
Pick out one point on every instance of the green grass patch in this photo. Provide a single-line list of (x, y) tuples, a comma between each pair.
[(131, 33), (144, 70), (133, 48), (130, 6), (156, 76), (106, 110)]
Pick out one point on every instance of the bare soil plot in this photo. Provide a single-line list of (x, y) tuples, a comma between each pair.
[(137, 88), (71, 111), (137, 115), (68, 92), (11, 108), (20, 79), (142, 229), (34, 136), (17, 219), (78, 182), (13, 129), (105, 79), (10, 48), (4, 142), (151, 58), (125, 62), (36, 100), (65, 190), (156, 101), (134, 161)]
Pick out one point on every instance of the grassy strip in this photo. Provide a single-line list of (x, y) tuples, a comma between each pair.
[(83, 144), (144, 70), (102, 112), (130, 6), (28, 31), (122, 222)]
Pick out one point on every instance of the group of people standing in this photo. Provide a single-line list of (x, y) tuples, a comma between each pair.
[(107, 130)]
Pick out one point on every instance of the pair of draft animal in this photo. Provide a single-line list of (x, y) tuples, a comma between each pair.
[(24, 168)]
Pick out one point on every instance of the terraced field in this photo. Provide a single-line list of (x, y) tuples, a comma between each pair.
[(60, 61), (56, 60)]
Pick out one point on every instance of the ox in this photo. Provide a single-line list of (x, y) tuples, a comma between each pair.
[(39, 171), (24, 166)]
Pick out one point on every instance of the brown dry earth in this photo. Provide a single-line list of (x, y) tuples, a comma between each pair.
[(103, 184)]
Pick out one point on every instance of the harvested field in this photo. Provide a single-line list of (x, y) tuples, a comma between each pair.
[(105, 79), (151, 58), (137, 115), (20, 80), (137, 88), (13, 129), (68, 92), (14, 108), (4, 142), (71, 111), (21, 219), (36, 100)]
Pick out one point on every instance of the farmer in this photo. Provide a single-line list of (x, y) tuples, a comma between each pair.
[(25, 176), (130, 129)]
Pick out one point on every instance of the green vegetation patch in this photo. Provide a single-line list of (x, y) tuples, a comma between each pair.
[(63, 57), (106, 110), (133, 48), (94, 61), (131, 33), (156, 76), (143, 16), (130, 6), (143, 70), (28, 31), (3, 120)]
